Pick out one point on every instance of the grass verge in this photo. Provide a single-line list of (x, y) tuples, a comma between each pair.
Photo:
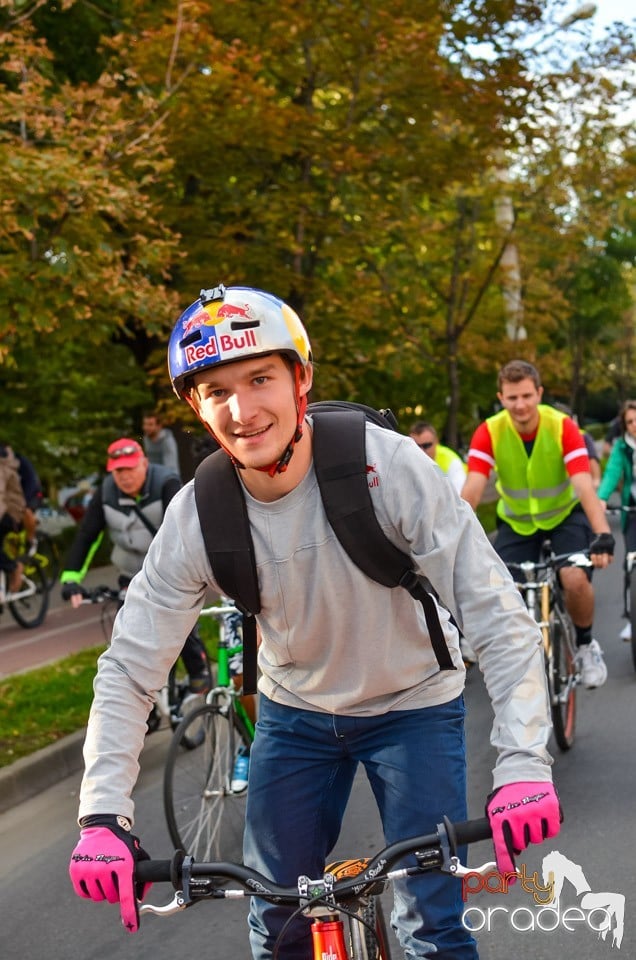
[(42, 706)]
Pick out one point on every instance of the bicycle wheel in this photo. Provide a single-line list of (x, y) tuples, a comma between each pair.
[(562, 682), (48, 555), (370, 939), (632, 616), (30, 611), (204, 817)]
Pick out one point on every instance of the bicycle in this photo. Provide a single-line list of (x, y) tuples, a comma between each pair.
[(629, 588), (48, 554), (28, 605), (351, 888), (543, 596), (44, 550), (175, 698), (205, 816)]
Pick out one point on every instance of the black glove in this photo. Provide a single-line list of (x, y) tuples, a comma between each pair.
[(603, 543), (70, 589)]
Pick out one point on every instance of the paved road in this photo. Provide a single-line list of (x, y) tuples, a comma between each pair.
[(40, 918)]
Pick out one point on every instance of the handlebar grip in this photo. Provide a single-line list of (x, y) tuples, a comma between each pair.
[(471, 831), (153, 871)]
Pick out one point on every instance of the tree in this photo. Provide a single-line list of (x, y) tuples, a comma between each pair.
[(83, 249)]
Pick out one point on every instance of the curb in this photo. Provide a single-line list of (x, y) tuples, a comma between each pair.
[(31, 775)]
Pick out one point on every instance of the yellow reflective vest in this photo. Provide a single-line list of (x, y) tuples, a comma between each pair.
[(444, 456), (535, 491)]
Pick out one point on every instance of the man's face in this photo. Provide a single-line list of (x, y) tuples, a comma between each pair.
[(130, 480), (426, 441), (521, 401), (250, 407), (151, 427)]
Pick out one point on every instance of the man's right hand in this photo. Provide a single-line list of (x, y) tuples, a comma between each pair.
[(102, 865)]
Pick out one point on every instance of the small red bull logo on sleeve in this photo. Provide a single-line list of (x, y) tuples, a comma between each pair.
[(372, 476)]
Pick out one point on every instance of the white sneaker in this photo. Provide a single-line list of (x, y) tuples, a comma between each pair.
[(626, 632), (591, 665)]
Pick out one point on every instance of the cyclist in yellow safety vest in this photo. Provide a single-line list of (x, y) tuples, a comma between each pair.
[(449, 462), (545, 492)]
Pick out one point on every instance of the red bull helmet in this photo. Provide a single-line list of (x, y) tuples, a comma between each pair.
[(233, 323), (237, 323)]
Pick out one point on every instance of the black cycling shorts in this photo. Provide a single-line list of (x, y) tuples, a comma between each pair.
[(571, 535)]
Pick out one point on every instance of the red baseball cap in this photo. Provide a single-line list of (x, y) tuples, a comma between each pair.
[(124, 453)]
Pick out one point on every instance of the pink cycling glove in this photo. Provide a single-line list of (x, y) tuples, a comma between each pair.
[(102, 865), (520, 814)]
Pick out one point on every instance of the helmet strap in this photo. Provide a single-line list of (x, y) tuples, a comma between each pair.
[(280, 466)]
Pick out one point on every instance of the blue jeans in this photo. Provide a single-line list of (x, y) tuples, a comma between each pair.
[(301, 772)]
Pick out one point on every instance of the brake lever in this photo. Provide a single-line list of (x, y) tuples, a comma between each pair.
[(175, 906)]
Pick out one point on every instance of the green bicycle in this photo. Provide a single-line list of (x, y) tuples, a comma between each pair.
[(204, 808)]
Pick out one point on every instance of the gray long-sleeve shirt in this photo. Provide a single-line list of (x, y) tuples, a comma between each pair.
[(332, 640)]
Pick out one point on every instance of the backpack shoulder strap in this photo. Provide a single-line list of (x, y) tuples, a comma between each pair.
[(228, 540), (341, 468)]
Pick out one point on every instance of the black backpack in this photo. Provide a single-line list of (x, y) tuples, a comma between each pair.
[(340, 463)]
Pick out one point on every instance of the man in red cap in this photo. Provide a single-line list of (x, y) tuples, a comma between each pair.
[(130, 503)]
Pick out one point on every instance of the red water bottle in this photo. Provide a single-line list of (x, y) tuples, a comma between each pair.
[(328, 940)]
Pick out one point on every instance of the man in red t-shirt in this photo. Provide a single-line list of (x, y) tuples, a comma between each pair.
[(546, 492)]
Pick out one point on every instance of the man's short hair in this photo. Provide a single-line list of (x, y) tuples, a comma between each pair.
[(516, 370), (420, 426)]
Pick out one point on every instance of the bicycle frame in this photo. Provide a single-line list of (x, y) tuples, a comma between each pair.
[(543, 597), (224, 688)]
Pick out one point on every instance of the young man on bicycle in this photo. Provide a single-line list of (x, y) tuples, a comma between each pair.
[(348, 673), (545, 492), (130, 503)]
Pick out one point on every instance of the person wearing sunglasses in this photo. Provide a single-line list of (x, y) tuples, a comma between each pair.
[(449, 462), (130, 503)]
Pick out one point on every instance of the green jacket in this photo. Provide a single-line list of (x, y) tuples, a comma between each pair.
[(619, 469)]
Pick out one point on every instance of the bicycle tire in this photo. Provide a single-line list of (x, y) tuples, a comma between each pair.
[(632, 616), (562, 683), (30, 611), (48, 555), (204, 818), (371, 940)]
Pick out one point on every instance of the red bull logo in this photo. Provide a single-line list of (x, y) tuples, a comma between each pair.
[(195, 322), (226, 344), (235, 311), (230, 343), (198, 352)]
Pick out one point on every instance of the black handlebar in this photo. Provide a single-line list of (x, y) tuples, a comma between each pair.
[(438, 846)]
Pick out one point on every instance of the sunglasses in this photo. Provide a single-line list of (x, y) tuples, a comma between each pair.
[(123, 452), (427, 445)]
